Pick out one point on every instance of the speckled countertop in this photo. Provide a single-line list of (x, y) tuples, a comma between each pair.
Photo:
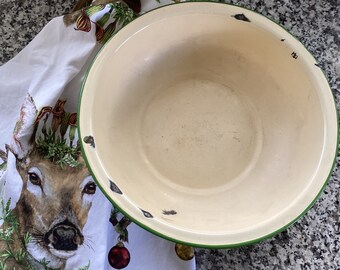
[(314, 241)]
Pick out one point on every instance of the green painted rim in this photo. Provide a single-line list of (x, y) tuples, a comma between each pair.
[(236, 245)]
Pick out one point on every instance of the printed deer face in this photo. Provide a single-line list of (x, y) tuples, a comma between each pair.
[(54, 205), (55, 201)]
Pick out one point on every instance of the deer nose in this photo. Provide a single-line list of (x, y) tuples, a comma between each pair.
[(65, 237)]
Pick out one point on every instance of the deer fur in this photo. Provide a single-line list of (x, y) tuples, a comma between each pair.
[(63, 198), (54, 202)]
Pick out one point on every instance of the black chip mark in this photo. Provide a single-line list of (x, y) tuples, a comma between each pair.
[(241, 17), (169, 212), (115, 188), (146, 214), (89, 140)]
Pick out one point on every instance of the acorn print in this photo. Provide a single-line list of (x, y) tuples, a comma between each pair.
[(99, 32), (119, 256), (108, 32), (83, 23)]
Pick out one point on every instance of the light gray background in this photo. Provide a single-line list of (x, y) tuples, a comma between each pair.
[(314, 241)]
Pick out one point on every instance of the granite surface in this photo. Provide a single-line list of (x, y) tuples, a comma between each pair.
[(314, 241)]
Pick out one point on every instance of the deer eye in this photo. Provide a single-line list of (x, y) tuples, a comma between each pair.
[(34, 179), (90, 188)]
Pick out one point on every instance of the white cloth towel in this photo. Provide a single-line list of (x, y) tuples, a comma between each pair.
[(51, 68)]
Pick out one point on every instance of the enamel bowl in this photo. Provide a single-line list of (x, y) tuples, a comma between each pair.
[(208, 124)]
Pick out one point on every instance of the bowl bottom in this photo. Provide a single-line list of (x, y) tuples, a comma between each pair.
[(199, 134)]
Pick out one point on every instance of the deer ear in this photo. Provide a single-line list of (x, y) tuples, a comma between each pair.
[(9, 149), (20, 162), (24, 129), (81, 160)]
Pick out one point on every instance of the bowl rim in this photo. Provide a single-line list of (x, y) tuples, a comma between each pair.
[(173, 239)]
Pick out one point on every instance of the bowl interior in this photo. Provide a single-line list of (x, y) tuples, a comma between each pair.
[(212, 120)]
